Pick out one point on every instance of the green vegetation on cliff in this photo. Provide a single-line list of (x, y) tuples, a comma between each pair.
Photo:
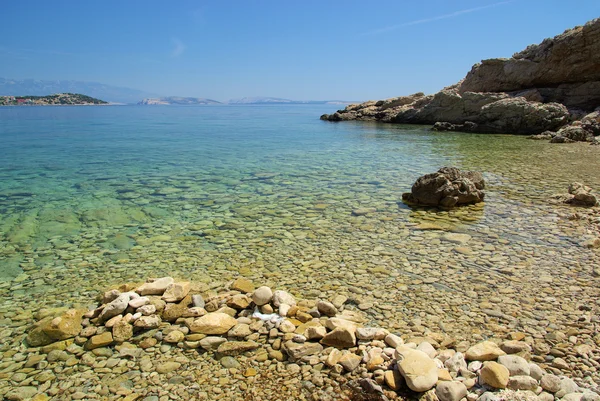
[(56, 99)]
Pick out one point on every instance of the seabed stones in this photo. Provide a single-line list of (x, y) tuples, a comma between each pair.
[(379, 362)]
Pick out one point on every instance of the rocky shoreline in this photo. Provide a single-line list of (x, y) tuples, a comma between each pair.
[(551, 88), (163, 330)]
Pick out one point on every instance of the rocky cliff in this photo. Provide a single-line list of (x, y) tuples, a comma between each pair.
[(545, 87)]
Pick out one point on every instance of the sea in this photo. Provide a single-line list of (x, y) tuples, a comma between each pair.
[(96, 196)]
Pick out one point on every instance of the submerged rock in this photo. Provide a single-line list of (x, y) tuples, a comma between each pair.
[(448, 187)]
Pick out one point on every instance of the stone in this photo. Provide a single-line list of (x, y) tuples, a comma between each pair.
[(450, 391), (428, 349), (448, 187), (517, 366), (238, 301), (147, 322), (393, 340), (514, 347), (567, 386), (286, 326), (21, 393), (99, 340), (550, 383), (236, 347), (350, 361), (535, 371), (64, 326), (333, 357), (299, 350), (240, 331), (339, 300), (110, 296), (393, 379), (242, 285), (326, 308), (484, 351), (175, 292), (283, 297), (262, 295), (167, 367), (116, 307), (456, 362), (139, 301), (230, 362), (198, 301), (581, 195), (213, 323), (418, 369), (146, 310), (174, 337), (212, 343), (522, 383), (122, 331), (370, 333), (494, 375), (156, 287), (315, 332), (341, 337)]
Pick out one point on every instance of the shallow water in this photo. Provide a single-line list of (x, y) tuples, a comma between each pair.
[(96, 196)]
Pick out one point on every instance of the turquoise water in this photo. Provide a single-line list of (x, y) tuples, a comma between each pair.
[(96, 196)]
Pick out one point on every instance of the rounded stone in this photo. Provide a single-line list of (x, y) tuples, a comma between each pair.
[(262, 295)]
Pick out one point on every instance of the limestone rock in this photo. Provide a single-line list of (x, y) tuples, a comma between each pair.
[(283, 297), (350, 361), (448, 187), (262, 295), (64, 326), (418, 369), (242, 285), (176, 292), (327, 308), (494, 375), (156, 287), (213, 323), (99, 340), (148, 322), (341, 337), (238, 301), (212, 343), (236, 347), (522, 383), (484, 351), (122, 331), (516, 365), (450, 391), (297, 350)]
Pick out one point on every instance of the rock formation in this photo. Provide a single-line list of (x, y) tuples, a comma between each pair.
[(542, 88), (448, 187)]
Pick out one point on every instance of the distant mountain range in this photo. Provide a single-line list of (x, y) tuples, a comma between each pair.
[(116, 94), (177, 100), (34, 87), (276, 100)]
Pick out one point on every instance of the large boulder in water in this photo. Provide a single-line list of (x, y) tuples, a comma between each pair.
[(448, 187)]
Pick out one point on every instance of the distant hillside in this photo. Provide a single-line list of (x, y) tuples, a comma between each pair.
[(276, 100), (169, 100), (56, 99), (114, 94)]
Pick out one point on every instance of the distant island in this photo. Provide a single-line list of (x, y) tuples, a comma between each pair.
[(55, 99), (177, 100), (109, 93)]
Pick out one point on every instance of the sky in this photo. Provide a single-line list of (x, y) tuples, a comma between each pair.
[(301, 50)]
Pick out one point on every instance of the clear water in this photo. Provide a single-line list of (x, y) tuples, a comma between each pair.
[(95, 196)]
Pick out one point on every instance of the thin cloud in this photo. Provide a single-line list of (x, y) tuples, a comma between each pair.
[(437, 18), (178, 47)]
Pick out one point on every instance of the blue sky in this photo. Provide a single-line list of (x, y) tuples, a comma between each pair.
[(325, 49)]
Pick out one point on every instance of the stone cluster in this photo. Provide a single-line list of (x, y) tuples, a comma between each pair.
[(274, 325)]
